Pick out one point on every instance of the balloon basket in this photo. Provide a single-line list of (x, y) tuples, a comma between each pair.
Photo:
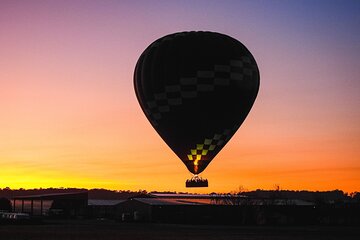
[(196, 181)]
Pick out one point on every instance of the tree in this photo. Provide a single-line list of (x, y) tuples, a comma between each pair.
[(5, 204), (355, 196)]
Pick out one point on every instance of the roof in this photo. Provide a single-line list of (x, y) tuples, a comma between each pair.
[(169, 201), (53, 196), (297, 202), (196, 196), (98, 202), (208, 201)]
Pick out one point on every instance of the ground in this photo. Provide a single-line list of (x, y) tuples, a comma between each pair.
[(110, 230)]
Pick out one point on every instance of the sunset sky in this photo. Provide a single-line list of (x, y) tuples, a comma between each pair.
[(69, 116)]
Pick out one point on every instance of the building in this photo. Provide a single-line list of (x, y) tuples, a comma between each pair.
[(212, 209), (58, 204), (187, 209), (102, 208)]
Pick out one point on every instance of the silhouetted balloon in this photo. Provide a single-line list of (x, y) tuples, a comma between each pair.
[(196, 89)]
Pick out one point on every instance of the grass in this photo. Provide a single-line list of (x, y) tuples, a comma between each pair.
[(110, 230)]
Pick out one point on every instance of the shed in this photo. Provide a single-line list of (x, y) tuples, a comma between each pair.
[(57, 204), (102, 208)]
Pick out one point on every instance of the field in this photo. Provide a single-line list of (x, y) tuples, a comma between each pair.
[(110, 230)]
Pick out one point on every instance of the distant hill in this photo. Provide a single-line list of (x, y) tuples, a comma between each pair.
[(93, 193), (335, 196)]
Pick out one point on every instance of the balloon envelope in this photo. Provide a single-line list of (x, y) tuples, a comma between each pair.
[(196, 89)]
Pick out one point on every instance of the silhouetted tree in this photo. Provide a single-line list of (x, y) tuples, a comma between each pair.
[(5, 204), (356, 196)]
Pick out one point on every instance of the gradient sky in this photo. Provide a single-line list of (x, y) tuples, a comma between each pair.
[(69, 116)]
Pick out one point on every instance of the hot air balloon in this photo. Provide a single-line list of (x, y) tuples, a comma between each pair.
[(196, 89)]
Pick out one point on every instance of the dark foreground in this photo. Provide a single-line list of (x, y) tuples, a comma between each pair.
[(106, 230)]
